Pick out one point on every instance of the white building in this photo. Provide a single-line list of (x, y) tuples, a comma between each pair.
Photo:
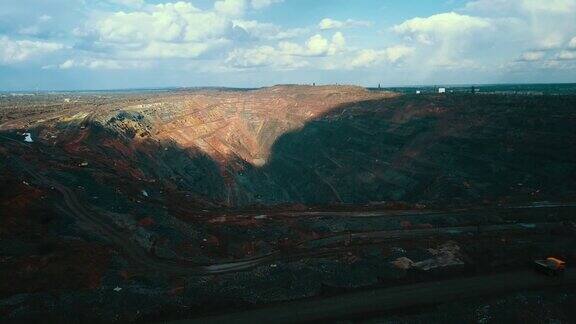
[(418, 92), (441, 90)]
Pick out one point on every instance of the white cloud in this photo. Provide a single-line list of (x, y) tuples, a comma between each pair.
[(369, 57), (507, 7), (553, 6), (396, 53), (567, 55), (532, 56), (14, 51), (263, 56), (499, 7), (170, 30), (328, 23), (128, 3), (237, 8), (225, 34), (44, 18), (287, 55), (441, 26), (259, 4), (38, 27), (167, 50), (267, 31), (101, 64), (231, 8), (170, 22), (551, 41), (447, 40), (316, 46), (30, 31), (551, 23), (539, 24), (177, 30)]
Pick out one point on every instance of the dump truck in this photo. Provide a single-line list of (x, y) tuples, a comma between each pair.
[(550, 266)]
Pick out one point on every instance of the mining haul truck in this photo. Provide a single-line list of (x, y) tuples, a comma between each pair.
[(550, 266)]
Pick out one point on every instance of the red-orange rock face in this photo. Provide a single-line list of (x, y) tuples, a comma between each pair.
[(227, 125)]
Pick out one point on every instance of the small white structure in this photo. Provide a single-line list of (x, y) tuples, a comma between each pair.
[(441, 90), (144, 193), (28, 138), (418, 92)]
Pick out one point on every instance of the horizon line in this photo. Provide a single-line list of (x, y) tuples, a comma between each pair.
[(169, 88)]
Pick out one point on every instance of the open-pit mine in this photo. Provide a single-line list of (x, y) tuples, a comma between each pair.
[(285, 204)]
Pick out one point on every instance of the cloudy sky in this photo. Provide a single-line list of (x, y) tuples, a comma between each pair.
[(105, 44)]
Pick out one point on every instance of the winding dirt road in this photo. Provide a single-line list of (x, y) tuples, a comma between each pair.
[(142, 261), (380, 301)]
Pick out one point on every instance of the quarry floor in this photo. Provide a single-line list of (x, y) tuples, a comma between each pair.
[(378, 302)]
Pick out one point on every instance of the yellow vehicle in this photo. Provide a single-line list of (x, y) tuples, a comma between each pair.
[(551, 266)]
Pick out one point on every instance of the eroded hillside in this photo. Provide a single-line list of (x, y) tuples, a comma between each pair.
[(233, 125)]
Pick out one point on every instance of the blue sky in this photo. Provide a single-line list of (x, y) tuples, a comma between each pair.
[(106, 44)]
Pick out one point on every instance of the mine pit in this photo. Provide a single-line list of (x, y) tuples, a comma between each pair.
[(194, 199)]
